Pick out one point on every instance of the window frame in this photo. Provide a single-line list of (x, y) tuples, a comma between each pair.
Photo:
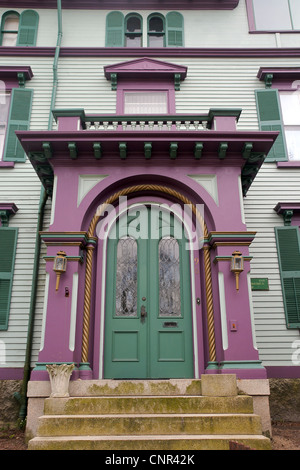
[(252, 23), (3, 21), (149, 33)]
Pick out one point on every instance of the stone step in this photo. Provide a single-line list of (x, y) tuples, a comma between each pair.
[(154, 424), (108, 387), (145, 404), (149, 442)]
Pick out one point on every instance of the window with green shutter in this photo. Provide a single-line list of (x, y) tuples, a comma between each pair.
[(28, 27), (270, 119), (115, 29), (8, 243), (19, 29), (288, 248), (19, 119), (174, 22)]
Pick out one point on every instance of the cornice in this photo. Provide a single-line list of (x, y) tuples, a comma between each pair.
[(123, 4), (166, 52)]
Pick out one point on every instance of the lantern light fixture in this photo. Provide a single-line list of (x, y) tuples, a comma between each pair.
[(60, 266), (237, 266)]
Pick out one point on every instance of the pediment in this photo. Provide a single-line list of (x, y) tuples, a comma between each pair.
[(145, 67)]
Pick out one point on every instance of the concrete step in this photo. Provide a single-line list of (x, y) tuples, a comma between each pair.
[(149, 442), (167, 424), (145, 404)]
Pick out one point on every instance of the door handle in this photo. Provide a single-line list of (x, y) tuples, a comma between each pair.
[(143, 312)]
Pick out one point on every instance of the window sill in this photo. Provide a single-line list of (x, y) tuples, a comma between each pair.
[(7, 164), (288, 164)]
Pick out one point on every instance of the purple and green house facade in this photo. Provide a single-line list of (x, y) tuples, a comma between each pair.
[(149, 150)]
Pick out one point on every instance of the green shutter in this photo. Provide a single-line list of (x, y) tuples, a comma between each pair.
[(174, 22), (115, 29), (269, 116), (8, 243), (288, 247), (28, 27), (19, 118)]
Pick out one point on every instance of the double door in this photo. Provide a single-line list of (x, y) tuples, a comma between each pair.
[(148, 318)]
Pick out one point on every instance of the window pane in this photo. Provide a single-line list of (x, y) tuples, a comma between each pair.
[(290, 105), (156, 25), (4, 110), (169, 278), (272, 15), (11, 23), (126, 280), (146, 102), (295, 11), (134, 25), (292, 135)]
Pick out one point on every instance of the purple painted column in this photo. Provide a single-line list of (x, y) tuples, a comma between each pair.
[(239, 354), (58, 343)]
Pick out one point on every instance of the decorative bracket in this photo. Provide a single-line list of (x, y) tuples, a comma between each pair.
[(223, 147), (73, 150), (268, 80), (198, 150), (47, 149), (148, 150), (6, 210), (173, 150), (97, 150), (114, 81), (123, 150)]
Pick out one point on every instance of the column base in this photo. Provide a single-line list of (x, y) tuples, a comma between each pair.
[(242, 369)]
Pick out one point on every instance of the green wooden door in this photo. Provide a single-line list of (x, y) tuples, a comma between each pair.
[(148, 319)]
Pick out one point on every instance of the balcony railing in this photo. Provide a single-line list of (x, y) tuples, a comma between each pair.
[(216, 119), (148, 123)]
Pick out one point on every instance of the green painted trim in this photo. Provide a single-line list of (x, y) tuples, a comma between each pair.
[(211, 365), (84, 366), (66, 112), (241, 365), (41, 366)]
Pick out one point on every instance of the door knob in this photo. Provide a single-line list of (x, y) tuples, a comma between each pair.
[(143, 312)]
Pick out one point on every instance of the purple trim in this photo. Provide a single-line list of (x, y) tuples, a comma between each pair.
[(119, 4), (281, 372), (283, 77), (7, 164), (150, 52), (11, 373), (288, 164)]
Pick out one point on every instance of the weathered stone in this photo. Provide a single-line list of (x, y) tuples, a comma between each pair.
[(219, 385)]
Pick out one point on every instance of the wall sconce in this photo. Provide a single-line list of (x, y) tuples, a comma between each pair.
[(237, 266), (60, 266)]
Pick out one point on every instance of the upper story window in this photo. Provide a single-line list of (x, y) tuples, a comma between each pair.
[(133, 30), (19, 29), (290, 106), (278, 107), (162, 31), (274, 15)]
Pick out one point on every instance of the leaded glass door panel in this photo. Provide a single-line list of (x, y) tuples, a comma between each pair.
[(148, 321)]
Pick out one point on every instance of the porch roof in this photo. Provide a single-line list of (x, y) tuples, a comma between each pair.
[(168, 144)]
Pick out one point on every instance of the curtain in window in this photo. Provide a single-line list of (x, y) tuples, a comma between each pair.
[(145, 103)]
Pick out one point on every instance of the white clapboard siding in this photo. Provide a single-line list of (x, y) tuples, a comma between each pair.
[(22, 186)]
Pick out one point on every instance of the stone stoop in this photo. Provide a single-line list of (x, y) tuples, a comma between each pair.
[(183, 414)]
